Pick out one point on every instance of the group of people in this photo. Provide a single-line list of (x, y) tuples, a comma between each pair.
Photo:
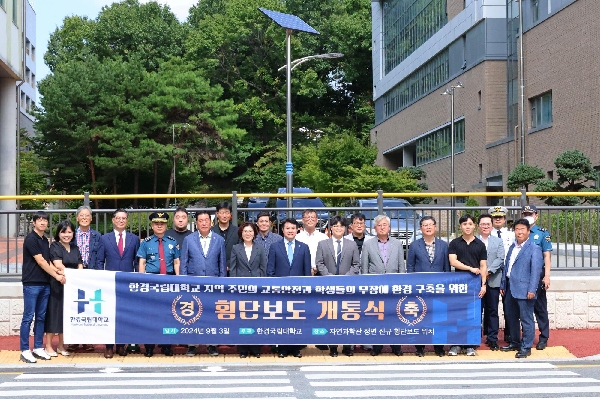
[(253, 250)]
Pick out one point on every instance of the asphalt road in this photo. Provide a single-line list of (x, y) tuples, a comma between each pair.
[(515, 379)]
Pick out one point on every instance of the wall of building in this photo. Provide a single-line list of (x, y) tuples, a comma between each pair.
[(561, 55)]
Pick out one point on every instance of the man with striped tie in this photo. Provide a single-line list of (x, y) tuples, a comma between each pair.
[(338, 256)]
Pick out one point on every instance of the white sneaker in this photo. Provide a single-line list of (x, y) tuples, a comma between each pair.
[(40, 353), (454, 351), (27, 357), (471, 352)]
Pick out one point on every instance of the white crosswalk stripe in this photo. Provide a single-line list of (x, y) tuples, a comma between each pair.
[(246, 385), (506, 380)]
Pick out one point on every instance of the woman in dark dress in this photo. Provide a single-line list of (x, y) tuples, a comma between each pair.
[(62, 254), (248, 260)]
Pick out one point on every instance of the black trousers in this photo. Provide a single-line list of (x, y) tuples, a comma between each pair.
[(491, 321), (395, 348), (541, 312), (248, 349), (334, 348)]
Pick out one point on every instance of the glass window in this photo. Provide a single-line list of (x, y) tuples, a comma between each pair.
[(14, 11), (437, 144), (407, 25), (2, 4), (541, 110), (535, 10), (417, 85)]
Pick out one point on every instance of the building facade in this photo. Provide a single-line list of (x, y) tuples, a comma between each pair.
[(422, 47), (12, 72), (28, 90)]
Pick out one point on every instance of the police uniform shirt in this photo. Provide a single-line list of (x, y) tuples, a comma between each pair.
[(541, 237), (507, 236), (149, 251)]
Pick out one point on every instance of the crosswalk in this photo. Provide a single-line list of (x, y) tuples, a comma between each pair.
[(222, 385), (496, 380)]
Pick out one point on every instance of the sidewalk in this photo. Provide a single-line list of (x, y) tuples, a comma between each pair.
[(563, 345)]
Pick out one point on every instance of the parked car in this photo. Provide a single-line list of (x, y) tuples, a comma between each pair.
[(259, 203), (300, 204), (404, 221)]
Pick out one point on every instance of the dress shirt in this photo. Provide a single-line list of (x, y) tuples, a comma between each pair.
[(117, 237), (312, 240), (384, 249), (205, 242), (83, 243), (515, 252)]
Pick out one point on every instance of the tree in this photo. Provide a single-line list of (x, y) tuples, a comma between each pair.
[(523, 176), (33, 181), (574, 169)]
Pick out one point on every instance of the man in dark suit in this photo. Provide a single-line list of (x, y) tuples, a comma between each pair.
[(338, 256), (520, 280), (383, 255), (226, 229), (119, 249), (428, 254), (203, 254), (289, 257)]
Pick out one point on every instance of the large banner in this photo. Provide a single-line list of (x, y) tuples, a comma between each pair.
[(103, 307)]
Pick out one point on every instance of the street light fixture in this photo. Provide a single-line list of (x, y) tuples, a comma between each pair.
[(450, 92), (290, 23), (299, 61)]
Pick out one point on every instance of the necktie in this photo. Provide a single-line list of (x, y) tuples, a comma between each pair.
[(161, 256), (290, 252), (120, 244), (499, 234), (338, 257)]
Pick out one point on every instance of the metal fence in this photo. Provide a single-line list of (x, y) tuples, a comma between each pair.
[(575, 231)]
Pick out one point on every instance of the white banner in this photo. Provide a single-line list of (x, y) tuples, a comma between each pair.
[(89, 307)]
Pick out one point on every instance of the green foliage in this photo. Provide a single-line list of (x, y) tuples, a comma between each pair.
[(33, 179), (578, 226), (523, 176), (472, 202), (574, 169)]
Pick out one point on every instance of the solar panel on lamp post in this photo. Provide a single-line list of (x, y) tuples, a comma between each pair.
[(290, 23)]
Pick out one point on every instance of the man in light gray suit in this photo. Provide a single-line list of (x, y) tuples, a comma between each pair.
[(203, 254), (381, 256), (495, 261), (338, 256)]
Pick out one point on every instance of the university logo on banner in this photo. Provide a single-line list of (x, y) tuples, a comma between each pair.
[(89, 307)]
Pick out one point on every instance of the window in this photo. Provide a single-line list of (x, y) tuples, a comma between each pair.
[(32, 53), (541, 111), (33, 80), (23, 102), (418, 84), (14, 12), (2, 5), (27, 75), (437, 144), (535, 10), (407, 25), (27, 46)]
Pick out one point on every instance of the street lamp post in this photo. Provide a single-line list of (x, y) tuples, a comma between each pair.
[(450, 92)]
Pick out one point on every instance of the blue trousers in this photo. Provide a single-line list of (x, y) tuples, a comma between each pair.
[(520, 310), (35, 303)]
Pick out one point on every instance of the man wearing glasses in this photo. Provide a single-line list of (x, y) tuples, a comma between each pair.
[(357, 222)]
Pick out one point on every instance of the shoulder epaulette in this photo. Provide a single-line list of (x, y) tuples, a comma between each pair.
[(542, 229), (171, 238), (148, 238)]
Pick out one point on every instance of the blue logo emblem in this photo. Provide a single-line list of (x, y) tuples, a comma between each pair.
[(82, 301)]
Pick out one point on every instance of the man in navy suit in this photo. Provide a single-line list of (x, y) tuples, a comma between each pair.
[(289, 257), (428, 254), (203, 254), (520, 279), (119, 249)]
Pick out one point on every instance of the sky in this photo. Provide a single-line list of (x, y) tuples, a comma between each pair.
[(51, 13)]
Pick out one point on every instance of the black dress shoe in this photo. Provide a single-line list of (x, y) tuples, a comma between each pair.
[(541, 345), (510, 347), (348, 352), (398, 353), (333, 353), (108, 354), (522, 354), (243, 355), (148, 353), (297, 354), (281, 355), (122, 351), (212, 350), (494, 345), (257, 355), (168, 352), (420, 353), (440, 353), (375, 353)]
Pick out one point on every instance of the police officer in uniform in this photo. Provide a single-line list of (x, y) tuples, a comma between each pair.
[(540, 237), (159, 254)]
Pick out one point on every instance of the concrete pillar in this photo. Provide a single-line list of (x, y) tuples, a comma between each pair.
[(8, 154)]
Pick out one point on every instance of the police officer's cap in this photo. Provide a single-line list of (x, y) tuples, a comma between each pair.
[(159, 217), (497, 211), (529, 209)]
